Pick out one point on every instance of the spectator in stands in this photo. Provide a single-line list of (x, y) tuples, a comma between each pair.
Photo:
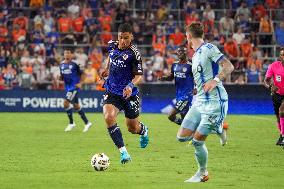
[(22, 21), (254, 38), (192, 17), (105, 37), (3, 33), (148, 72), (254, 60), (26, 80), (209, 14), (96, 54), (243, 23), (258, 11), (244, 11), (73, 9), (55, 74), (159, 46), (64, 23), (217, 38), (232, 51), (227, 24), (240, 79), (170, 25), (50, 50), (159, 34), (43, 77), (36, 3), (9, 75), (239, 36), (246, 48), (54, 35), (120, 14), (138, 35), (25, 59), (171, 47), (178, 37), (17, 3), (265, 30), (92, 24), (3, 60), (162, 13), (279, 34), (81, 57), (158, 64), (48, 22), (253, 76), (18, 34), (2, 81), (105, 20), (272, 4), (14, 60), (91, 75)]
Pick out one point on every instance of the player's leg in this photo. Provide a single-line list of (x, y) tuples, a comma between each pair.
[(281, 117), (173, 116), (131, 110), (69, 110), (276, 99), (189, 125), (112, 105), (82, 114), (181, 107)]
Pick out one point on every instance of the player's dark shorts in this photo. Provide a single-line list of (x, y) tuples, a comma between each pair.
[(277, 99), (182, 106), (72, 96), (130, 106)]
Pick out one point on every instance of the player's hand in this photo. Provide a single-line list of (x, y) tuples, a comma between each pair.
[(104, 73), (79, 85), (127, 91), (273, 89), (209, 86), (194, 92)]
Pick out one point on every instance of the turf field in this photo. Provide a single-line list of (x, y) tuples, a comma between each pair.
[(35, 152)]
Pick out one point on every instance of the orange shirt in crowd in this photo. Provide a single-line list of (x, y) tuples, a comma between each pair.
[(105, 22), (257, 62), (3, 34), (265, 26), (177, 37), (64, 24), (230, 48), (273, 4), (78, 24), (246, 49), (106, 37), (159, 47), (21, 21), (36, 3), (96, 58), (16, 34)]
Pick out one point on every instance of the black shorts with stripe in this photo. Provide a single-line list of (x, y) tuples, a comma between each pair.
[(72, 96), (130, 106)]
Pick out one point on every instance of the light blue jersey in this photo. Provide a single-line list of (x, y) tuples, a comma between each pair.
[(205, 67), (210, 108)]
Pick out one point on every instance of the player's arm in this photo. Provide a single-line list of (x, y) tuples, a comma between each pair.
[(227, 68), (268, 83), (137, 71), (105, 70)]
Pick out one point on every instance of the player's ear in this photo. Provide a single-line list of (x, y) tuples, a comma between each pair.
[(131, 37)]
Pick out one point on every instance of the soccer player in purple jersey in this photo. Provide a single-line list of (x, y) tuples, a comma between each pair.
[(124, 72), (72, 76)]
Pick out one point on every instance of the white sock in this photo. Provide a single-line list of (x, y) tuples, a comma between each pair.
[(122, 149)]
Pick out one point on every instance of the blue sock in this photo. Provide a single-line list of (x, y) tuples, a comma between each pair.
[(83, 116), (116, 136), (201, 154), (143, 129), (70, 115)]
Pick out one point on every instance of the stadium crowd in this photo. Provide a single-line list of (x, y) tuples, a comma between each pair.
[(32, 34)]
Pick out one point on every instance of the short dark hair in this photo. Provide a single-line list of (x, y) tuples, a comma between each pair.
[(125, 27), (196, 29), (68, 44)]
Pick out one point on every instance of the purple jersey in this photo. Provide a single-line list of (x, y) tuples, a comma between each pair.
[(124, 65)]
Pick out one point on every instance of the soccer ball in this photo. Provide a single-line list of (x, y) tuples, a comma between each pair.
[(100, 162)]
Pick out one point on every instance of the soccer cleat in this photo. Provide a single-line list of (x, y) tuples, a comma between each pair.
[(280, 139), (87, 126), (199, 177), (281, 143), (70, 127), (144, 139), (124, 157)]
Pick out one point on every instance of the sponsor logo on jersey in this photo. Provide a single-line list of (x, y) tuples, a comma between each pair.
[(125, 56)]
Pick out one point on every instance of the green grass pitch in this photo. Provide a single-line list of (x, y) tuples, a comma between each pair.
[(35, 152)]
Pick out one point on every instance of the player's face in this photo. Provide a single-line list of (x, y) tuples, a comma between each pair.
[(181, 53), (281, 56), (124, 39), (188, 37), (67, 55)]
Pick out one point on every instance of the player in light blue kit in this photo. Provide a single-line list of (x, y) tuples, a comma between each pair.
[(72, 76), (209, 67), (181, 72)]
